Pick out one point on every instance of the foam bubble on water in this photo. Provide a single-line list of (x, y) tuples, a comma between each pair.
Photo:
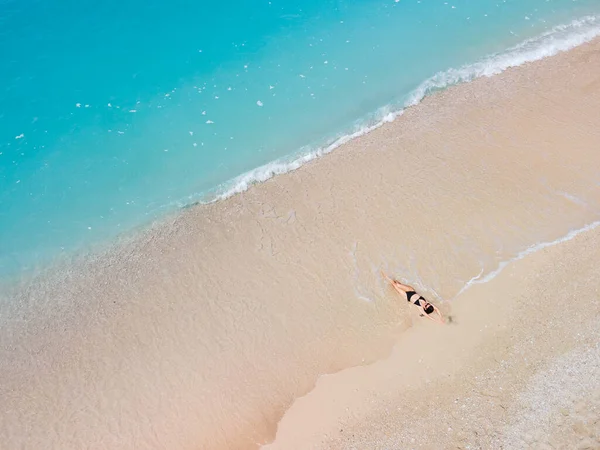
[(558, 39)]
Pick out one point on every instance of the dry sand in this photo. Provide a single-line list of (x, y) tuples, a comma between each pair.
[(204, 330)]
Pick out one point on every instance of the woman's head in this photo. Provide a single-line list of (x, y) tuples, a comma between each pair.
[(429, 308)]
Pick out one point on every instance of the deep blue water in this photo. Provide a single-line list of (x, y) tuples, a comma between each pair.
[(113, 113)]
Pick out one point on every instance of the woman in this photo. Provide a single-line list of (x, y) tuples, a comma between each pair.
[(411, 296)]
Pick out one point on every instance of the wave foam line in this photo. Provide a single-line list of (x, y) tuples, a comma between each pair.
[(559, 39), (528, 251)]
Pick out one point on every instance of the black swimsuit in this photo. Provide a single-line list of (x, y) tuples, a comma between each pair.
[(417, 300)]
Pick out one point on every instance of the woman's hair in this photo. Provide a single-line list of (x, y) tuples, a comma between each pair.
[(429, 309)]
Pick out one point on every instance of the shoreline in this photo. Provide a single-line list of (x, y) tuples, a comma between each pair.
[(159, 327), (557, 40), (485, 67)]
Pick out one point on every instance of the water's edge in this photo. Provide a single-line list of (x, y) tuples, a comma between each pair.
[(559, 39)]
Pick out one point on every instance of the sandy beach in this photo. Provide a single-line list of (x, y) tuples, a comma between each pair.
[(262, 320), (518, 368)]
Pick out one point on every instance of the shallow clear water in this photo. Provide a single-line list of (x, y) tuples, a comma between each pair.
[(113, 113)]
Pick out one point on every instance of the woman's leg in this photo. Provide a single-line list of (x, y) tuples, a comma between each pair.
[(404, 287)]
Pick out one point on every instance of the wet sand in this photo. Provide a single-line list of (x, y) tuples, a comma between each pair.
[(203, 330)]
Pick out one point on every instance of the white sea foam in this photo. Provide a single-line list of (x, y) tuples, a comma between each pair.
[(278, 167), (528, 251), (558, 39)]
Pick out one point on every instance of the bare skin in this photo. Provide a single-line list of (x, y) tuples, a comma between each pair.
[(402, 289)]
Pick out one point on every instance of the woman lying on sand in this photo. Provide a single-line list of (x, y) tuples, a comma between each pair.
[(409, 293)]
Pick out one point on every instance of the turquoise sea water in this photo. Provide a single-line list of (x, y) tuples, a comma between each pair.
[(114, 113)]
